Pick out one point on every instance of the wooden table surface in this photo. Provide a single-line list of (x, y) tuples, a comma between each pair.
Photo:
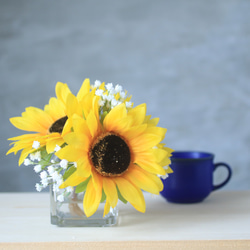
[(222, 221)]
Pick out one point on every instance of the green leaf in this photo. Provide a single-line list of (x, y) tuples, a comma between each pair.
[(82, 186), (45, 157), (121, 198), (69, 172), (103, 196)]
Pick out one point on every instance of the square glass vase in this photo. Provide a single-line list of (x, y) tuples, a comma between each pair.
[(69, 213)]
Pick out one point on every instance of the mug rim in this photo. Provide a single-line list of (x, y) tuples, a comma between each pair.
[(191, 155)]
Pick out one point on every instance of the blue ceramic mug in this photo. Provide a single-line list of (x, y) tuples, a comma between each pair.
[(192, 180)]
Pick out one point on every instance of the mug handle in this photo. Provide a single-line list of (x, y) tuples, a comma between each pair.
[(228, 176)]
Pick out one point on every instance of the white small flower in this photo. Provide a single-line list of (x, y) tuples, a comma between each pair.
[(101, 103), (38, 168), (97, 83), (118, 88), (128, 104), (43, 175), (56, 188), (27, 162), (99, 92), (69, 189), (36, 145), (59, 181), (109, 86), (164, 177), (75, 164), (60, 198), (38, 187), (45, 182), (114, 102), (36, 156), (122, 94), (55, 176), (109, 97), (51, 170), (57, 148), (64, 164)]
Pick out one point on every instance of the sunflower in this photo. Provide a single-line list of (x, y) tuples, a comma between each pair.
[(117, 156), (48, 125)]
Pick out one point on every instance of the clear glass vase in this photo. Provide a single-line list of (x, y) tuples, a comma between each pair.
[(69, 213)]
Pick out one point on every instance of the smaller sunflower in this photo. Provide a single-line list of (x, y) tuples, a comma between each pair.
[(48, 125)]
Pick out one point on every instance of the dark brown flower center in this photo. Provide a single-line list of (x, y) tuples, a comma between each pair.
[(110, 155), (58, 125)]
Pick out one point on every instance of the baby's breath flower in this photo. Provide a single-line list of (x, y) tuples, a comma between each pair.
[(109, 86), (39, 187), (64, 164), (122, 94), (36, 156), (128, 104), (101, 103), (56, 188), (60, 198), (57, 148), (45, 182), (114, 102), (51, 170), (56, 176), (43, 175), (97, 83), (36, 145), (99, 92), (69, 189), (164, 177), (118, 88), (27, 162), (38, 168)]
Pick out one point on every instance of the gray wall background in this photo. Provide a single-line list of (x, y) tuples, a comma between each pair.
[(188, 60)]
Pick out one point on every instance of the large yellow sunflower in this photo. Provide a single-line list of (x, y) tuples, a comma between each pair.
[(48, 125), (117, 157)]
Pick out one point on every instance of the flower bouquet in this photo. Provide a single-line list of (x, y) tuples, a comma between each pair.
[(94, 143)]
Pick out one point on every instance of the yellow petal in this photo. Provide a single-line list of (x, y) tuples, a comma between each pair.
[(97, 179), (138, 114), (56, 108), (110, 190), (131, 193), (106, 208), (92, 124), (83, 165), (159, 154), (114, 116), (80, 125), (24, 154), (73, 180), (150, 166), (135, 131), (51, 144), (77, 140), (84, 90), (144, 142), (69, 153), (62, 91), (33, 119), (72, 106), (157, 131), (144, 180), (151, 122), (91, 199)]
